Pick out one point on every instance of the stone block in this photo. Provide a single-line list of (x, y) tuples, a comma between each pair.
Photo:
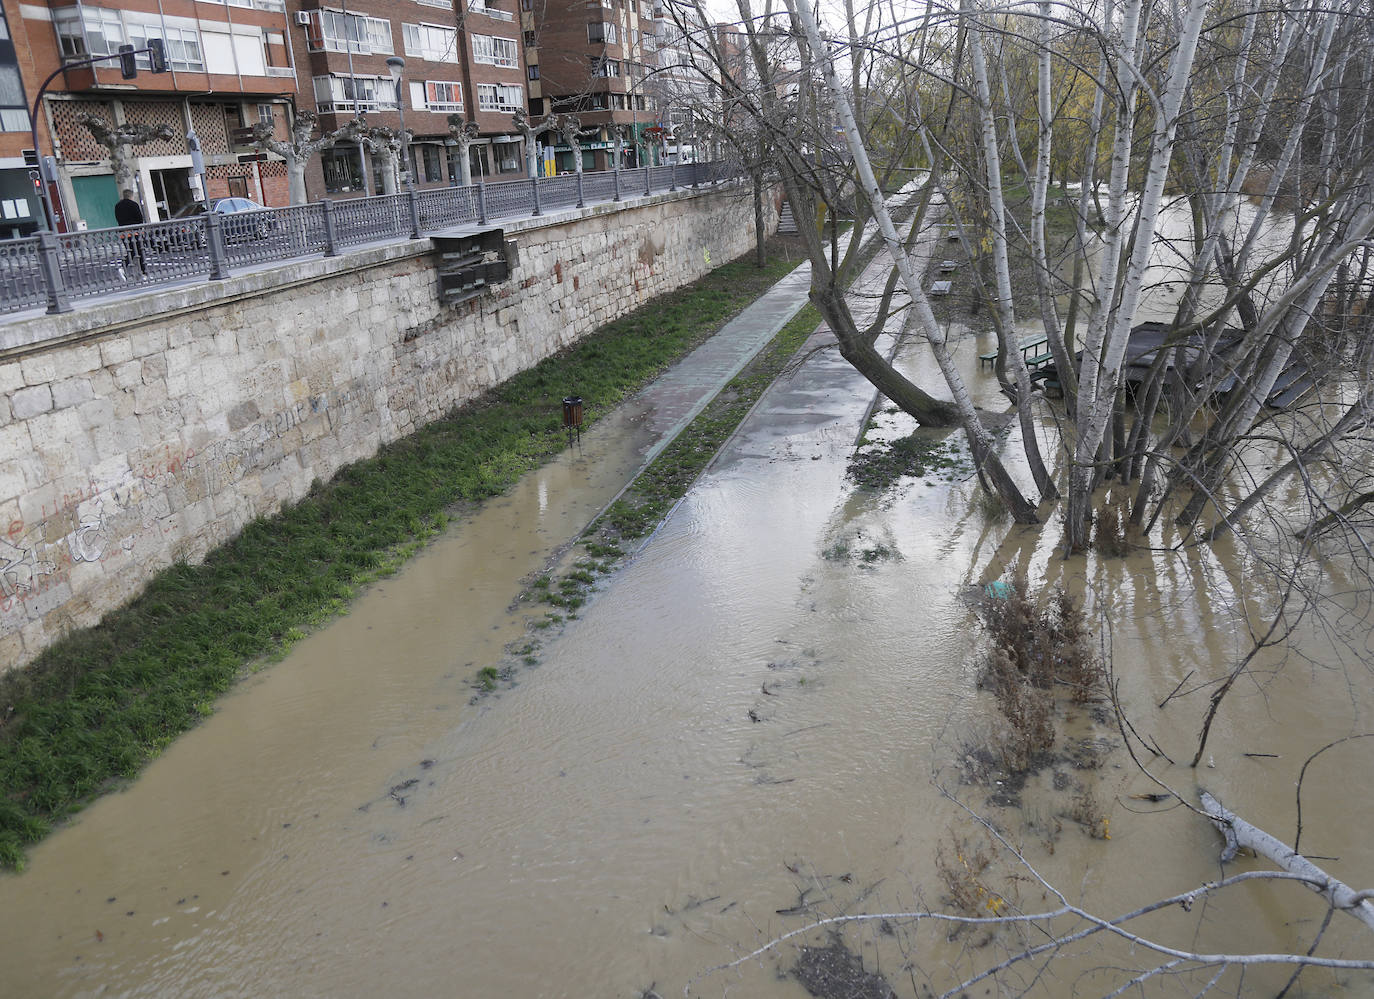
[(72, 392), (128, 374), (150, 340), (149, 398), (39, 369), (11, 376), (80, 359), (30, 402)]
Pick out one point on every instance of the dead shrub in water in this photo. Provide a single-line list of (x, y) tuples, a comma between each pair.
[(1034, 647), (1109, 535), (1028, 709), (1038, 645), (1088, 812), (964, 877)]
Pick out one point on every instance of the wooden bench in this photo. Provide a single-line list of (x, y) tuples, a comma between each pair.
[(1026, 346)]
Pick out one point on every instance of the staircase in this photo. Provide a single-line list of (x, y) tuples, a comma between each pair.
[(787, 225)]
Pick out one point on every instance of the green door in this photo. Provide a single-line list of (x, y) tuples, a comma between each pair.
[(95, 200)]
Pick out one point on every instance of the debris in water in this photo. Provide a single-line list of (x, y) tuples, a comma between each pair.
[(835, 972)]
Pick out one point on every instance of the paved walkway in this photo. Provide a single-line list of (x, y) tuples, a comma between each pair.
[(680, 394)]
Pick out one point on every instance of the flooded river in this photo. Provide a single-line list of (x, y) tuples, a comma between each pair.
[(748, 727)]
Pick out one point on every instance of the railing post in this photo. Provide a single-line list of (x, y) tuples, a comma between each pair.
[(696, 176), (616, 178), (482, 202), (672, 175), (413, 203), (52, 273), (579, 189), (331, 232), (648, 182), (535, 182), (214, 239)]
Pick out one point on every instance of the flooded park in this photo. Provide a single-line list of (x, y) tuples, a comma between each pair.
[(768, 717)]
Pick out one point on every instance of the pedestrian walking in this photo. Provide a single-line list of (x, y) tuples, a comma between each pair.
[(128, 213)]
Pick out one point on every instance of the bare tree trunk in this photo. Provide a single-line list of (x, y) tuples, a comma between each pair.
[(1006, 316), (980, 441)]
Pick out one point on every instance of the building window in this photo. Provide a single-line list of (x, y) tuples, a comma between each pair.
[(354, 93), (498, 97), (507, 156), (495, 51), (14, 115), (532, 71), (601, 32), (605, 67), (427, 168), (431, 41), (530, 40), (343, 170), (88, 31), (481, 7), (436, 95), (183, 45), (333, 31), (265, 114)]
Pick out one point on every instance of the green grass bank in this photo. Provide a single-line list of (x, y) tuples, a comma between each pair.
[(98, 705)]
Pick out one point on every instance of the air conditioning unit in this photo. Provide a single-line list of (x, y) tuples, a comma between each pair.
[(303, 17)]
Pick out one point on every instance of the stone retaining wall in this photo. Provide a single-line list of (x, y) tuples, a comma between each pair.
[(141, 432)]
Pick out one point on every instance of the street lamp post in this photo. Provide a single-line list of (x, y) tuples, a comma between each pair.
[(396, 65)]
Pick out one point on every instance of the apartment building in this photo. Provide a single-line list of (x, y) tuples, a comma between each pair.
[(461, 60), (589, 56), (19, 205), (230, 65)]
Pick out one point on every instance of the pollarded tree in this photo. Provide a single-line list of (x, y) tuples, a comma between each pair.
[(298, 148), (463, 133), (118, 141)]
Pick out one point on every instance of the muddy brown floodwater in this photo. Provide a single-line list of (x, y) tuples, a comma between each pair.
[(617, 823)]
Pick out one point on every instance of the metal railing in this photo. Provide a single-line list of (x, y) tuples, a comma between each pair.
[(52, 269)]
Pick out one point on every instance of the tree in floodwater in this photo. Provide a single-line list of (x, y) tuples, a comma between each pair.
[(777, 118), (1221, 154)]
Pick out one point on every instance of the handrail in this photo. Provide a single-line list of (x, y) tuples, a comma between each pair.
[(98, 262)]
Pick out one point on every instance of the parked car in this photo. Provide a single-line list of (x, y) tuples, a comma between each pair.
[(239, 225)]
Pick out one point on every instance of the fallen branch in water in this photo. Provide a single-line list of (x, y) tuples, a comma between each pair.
[(1240, 833)]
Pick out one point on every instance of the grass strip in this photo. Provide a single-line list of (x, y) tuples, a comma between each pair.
[(94, 708)]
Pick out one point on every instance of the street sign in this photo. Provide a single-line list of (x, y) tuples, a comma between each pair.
[(252, 157), (241, 136)]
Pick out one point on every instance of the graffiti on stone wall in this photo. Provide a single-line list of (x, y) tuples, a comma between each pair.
[(100, 521)]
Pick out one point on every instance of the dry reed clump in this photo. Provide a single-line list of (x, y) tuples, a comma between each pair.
[(1034, 648), (1109, 535)]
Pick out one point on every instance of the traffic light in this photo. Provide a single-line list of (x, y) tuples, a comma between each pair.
[(128, 62), (157, 55)]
